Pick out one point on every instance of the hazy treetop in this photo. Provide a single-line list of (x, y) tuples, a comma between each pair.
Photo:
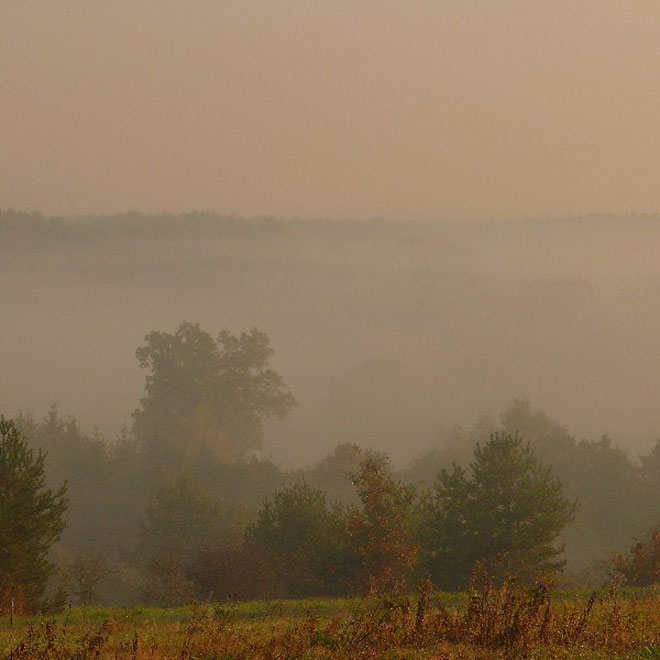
[(386, 332)]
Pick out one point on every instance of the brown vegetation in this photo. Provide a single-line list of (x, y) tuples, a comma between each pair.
[(505, 621), (641, 566)]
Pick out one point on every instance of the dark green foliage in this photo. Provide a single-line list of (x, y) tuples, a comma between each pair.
[(302, 535), (206, 393), (235, 571), (182, 518), (183, 521), (611, 489), (185, 526), (359, 549), (183, 537), (84, 462), (510, 510), (31, 519), (108, 489)]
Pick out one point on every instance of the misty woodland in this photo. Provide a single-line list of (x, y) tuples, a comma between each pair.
[(329, 330), (185, 502)]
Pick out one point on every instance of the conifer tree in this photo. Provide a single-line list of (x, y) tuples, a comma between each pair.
[(508, 513), (31, 519)]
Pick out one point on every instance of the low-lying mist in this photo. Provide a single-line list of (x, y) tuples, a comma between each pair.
[(388, 333)]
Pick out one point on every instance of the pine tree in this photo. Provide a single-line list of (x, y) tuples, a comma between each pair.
[(508, 514), (31, 519)]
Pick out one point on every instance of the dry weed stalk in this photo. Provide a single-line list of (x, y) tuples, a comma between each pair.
[(506, 620)]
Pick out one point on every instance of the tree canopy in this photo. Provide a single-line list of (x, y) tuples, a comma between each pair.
[(510, 510), (300, 533), (31, 519), (202, 392), (380, 539)]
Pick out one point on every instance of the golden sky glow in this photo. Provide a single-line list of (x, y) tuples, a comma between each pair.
[(352, 108)]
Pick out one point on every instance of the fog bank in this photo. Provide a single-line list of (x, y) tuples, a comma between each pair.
[(388, 333)]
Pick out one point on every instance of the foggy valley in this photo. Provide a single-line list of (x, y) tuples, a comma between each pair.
[(388, 333), (329, 329)]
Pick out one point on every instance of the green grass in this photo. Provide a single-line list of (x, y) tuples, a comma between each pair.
[(621, 625), (141, 614)]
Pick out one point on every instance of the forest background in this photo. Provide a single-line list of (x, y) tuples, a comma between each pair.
[(417, 340)]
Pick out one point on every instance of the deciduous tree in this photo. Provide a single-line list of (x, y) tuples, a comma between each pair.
[(380, 531), (208, 392)]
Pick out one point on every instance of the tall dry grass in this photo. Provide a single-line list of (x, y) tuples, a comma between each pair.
[(505, 621)]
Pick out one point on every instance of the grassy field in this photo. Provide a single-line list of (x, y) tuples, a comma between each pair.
[(493, 623)]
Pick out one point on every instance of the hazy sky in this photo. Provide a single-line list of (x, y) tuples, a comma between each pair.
[(354, 108)]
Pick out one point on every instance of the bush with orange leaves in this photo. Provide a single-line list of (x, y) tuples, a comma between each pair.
[(641, 566), (382, 553)]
